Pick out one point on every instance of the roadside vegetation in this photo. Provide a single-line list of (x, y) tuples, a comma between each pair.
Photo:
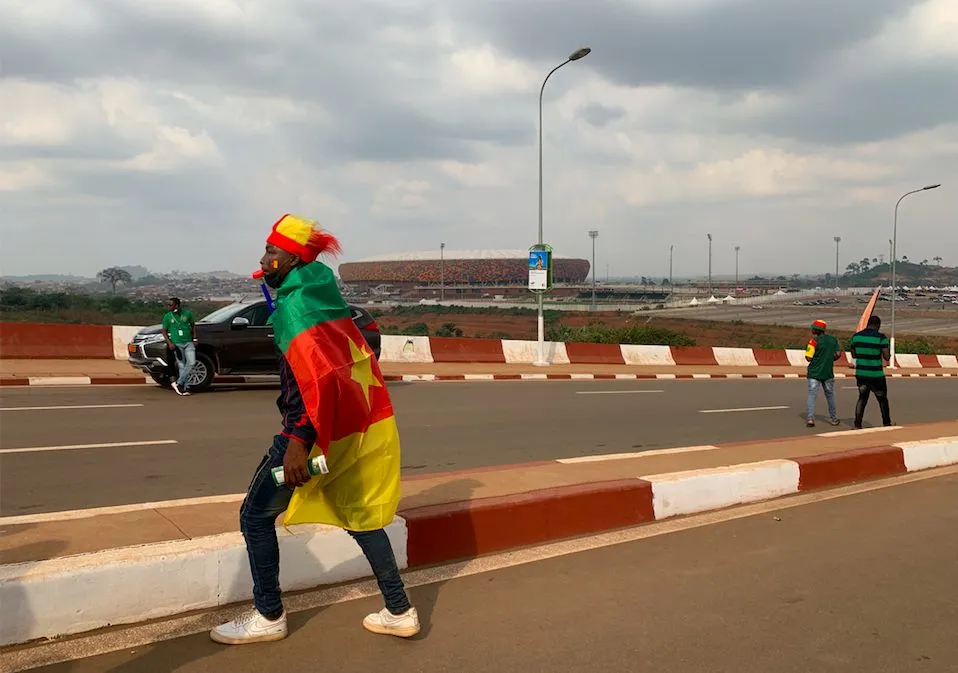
[(18, 304)]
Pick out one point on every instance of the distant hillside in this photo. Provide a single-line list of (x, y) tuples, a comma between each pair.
[(906, 272), (47, 278)]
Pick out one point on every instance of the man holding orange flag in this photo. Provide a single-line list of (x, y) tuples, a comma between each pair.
[(336, 414)]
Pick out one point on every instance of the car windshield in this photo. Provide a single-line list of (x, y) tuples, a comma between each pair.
[(224, 313)]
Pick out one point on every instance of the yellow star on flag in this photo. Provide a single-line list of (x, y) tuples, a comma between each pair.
[(362, 370)]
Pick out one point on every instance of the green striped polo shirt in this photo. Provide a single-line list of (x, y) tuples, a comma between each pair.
[(866, 348)]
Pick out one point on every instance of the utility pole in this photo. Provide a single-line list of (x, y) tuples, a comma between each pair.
[(671, 287), (710, 265), (593, 234), (442, 273), (838, 239), (737, 248)]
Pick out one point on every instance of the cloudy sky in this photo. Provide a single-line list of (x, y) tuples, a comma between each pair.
[(172, 133)]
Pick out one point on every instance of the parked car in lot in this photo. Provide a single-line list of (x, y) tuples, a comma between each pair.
[(234, 339)]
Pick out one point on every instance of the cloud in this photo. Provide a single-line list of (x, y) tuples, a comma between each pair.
[(173, 134)]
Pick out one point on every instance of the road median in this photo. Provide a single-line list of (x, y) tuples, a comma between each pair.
[(67, 573)]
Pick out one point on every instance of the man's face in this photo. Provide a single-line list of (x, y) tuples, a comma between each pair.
[(173, 306), (276, 264)]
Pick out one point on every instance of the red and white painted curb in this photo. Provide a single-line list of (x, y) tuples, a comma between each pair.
[(436, 378), (625, 377), (79, 593)]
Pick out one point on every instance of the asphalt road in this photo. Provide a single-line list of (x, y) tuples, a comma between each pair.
[(863, 582), (220, 437)]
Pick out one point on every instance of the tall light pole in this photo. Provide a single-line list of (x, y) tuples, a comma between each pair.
[(540, 317), (737, 248), (837, 239), (710, 265), (890, 253), (593, 234), (442, 273), (894, 261), (671, 286)]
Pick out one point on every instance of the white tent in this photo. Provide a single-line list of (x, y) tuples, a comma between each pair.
[(713, 300)]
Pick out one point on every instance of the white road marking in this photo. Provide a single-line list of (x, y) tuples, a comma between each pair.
[(636, 454), (69, 447), (839, 433), (615, 392), (726, 411), (74, 406), (73, 514), (48, 653)]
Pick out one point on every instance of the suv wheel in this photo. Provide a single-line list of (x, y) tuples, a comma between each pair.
[(201, 376)]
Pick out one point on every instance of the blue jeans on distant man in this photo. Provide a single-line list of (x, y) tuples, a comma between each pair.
[(185, 359), (829, 387)]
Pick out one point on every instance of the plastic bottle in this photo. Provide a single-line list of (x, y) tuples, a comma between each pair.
[(315, 465)]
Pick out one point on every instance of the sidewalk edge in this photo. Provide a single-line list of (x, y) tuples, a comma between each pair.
[(79, 593)]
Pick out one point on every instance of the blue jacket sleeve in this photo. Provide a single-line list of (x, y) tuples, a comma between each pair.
[(296, 422)]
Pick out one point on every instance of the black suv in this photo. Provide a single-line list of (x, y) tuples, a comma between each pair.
[(234, 339)]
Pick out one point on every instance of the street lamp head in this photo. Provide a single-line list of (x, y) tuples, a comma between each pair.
[(579, 53), (931, 187)]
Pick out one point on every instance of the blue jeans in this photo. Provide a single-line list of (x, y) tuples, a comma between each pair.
[(829, 387), (185, 359), (264, 502)]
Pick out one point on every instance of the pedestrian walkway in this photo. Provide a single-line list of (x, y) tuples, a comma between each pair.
[(822, 586)]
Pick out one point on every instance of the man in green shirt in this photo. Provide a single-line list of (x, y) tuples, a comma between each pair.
[(870, 348), (820, 353), (179, 330)]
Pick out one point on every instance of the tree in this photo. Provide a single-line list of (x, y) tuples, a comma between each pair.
[(113, 276), (865, 264), (854, 268), (937, 260)]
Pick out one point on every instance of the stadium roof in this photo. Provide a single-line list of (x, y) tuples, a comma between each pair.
[(453, 254)]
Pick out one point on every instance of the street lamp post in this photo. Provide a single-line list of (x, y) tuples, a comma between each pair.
[(710, 265), (737, 248), (894, 261), (671, 286), (890, 258), (442, 273), (593, 234), (540, 317), (837, 239)]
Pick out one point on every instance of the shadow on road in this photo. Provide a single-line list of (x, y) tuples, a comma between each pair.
[(19, 610), (464, 542)]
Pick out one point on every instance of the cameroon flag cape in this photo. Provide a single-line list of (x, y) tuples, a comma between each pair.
[(347, 401)]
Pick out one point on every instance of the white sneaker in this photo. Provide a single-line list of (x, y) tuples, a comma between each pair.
[(250, 627), (386, 623)]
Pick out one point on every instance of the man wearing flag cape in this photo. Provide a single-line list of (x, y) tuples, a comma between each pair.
[(336, 409)]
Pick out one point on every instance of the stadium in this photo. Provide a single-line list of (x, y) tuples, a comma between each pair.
[(455, 273)]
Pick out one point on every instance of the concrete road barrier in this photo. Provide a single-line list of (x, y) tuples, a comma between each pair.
[(26, 340)]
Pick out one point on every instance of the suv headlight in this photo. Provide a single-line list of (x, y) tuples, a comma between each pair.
[(149, 339)]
